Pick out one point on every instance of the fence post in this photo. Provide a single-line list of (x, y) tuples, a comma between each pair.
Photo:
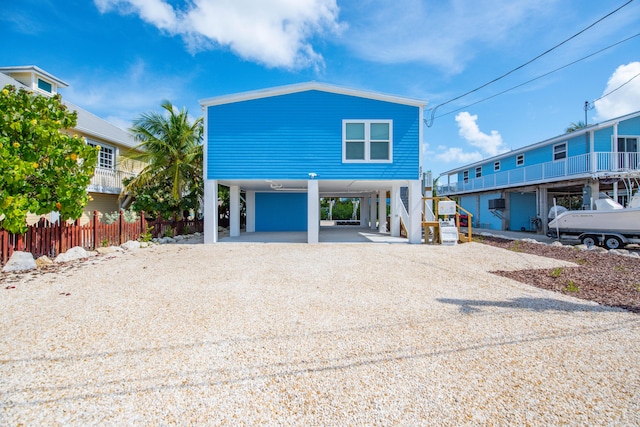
[(143, 224), (94, 224), (121, 227)]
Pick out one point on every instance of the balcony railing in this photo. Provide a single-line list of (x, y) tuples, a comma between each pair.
[(584, 164), (108, 180)]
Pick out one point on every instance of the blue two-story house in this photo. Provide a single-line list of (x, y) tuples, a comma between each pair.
[(515, 190), (287, 147)]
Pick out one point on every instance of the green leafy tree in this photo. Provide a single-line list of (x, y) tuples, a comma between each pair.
[(43, 167), (156, 199), (171, 147)]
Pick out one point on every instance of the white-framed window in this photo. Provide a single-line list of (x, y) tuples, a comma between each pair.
[(520, 160), (560, 151), (107, 156), (628, 144), (45, 86), (367, 141), (465, 176), (496, 166), (478, 172)]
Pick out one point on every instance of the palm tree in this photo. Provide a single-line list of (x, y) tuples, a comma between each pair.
[(574, 126), (171, 147)]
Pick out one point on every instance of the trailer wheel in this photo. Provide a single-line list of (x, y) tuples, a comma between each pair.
[(612, 242), (589, 241)]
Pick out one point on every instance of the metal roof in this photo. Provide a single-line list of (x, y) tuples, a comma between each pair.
[(33, 69), (555, 139), (308, 86)]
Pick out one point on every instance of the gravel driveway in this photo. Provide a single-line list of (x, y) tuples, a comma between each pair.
[(296, 334)]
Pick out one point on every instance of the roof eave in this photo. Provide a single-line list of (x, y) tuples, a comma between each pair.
[(308, 86)]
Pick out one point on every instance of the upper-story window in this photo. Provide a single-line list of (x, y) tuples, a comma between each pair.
[(478, 172), (520, 160), (107, 156), (367, 141), (627, 144), (45, 86), (560, 151), (465, 176), (496, 166)]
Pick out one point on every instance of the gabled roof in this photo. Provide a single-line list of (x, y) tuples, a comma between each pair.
[(304, 87), (554, 140)]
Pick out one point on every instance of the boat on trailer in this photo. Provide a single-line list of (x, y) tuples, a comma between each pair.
[(610, 224)]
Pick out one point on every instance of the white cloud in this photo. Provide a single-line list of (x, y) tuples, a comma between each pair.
[(624, 100), (272, 32), (446, 34), (457, 155), (490, 144), (103, 95)]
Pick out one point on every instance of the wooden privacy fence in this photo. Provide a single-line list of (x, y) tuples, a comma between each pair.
[(54, 239)]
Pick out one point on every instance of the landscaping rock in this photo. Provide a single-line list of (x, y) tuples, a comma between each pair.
[(130, 245), (73, 254), (20, 261), (43, 261)]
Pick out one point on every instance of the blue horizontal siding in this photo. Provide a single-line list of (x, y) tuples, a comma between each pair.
[(289, 136), (629, 127)]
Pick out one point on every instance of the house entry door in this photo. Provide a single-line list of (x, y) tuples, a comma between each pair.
[(628, 157)]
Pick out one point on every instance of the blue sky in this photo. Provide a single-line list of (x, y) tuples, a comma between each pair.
[(122, 58)]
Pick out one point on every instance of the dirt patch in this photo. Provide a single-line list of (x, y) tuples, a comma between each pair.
[(608, 279)]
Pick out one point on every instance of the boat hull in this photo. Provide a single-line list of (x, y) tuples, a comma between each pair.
[(622, 221)]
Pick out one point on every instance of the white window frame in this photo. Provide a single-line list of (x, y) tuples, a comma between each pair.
[(465, 176), (496, 166), (625, 137), (104, 148), (367, 141), (51, 88), (561, 154), (479, 172), (520, 160)]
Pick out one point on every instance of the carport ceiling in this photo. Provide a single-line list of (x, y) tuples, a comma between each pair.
[(333, 188)]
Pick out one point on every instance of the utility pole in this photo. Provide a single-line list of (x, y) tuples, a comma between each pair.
[(586, 107)]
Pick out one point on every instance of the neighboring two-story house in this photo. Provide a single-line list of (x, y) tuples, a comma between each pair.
[(106, 183), (515, 190), (287, 147)]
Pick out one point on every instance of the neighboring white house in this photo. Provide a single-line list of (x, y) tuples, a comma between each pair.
[(106, 184)]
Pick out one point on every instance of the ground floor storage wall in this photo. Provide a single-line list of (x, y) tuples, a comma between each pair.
[(478, 205), (522, 210), (281, 212)]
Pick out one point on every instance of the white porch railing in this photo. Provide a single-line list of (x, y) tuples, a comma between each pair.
[(584, 164), (108, 180)]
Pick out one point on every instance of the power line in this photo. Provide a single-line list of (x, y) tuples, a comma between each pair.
[(539, 77), (610, 92), (433, 110)]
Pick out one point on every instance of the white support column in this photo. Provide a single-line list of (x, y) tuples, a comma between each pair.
[(414, 228), (382, 211), (313, 211), (210, 211), (364, 212), (234, 211), (372, 211), (250, 200), (395, 210)]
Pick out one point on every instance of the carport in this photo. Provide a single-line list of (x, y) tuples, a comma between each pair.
[(292, 210)]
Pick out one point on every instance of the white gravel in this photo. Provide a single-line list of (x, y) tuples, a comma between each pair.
[(296, 334)]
